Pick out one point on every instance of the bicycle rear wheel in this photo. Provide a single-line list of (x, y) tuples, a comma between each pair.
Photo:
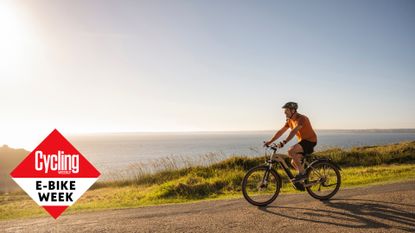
[(323, 180), (261, 185)]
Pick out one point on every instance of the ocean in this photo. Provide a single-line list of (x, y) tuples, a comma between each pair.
[(117, 152)]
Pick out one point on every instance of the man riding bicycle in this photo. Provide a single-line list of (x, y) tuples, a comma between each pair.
[(307, 139)]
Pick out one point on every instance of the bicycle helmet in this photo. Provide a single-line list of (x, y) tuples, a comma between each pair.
[(291, 105)]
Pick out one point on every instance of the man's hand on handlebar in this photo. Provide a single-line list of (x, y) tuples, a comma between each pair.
[(278, 145), (266, 144)]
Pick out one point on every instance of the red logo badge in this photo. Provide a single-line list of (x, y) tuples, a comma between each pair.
[(55, 174)]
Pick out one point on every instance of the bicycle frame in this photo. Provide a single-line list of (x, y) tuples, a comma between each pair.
[(280, 158)]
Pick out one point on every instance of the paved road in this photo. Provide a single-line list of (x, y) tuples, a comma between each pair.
[(386, 208)]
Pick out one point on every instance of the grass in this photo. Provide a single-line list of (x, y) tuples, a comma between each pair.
[(380, 164), (403, 152)]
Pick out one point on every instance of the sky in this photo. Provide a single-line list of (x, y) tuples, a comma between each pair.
[(87, 66)]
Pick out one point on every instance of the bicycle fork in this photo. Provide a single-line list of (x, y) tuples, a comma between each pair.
[(266, 176)]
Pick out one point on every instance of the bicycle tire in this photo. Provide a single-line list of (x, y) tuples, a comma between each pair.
[(338, 179), (278, 184)]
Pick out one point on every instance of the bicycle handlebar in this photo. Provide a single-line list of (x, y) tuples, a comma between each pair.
[(272, 146)]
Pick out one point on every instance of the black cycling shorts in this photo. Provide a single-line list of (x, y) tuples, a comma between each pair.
[(308, 147)]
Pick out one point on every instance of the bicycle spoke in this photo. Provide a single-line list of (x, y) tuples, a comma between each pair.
[(315, 171)]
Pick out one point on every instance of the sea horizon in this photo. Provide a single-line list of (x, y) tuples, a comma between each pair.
[(374, 130)]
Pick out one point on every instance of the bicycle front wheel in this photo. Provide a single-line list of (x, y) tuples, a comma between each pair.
[(261, 185)]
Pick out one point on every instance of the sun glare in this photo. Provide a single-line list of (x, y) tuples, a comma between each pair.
[(13, 40)]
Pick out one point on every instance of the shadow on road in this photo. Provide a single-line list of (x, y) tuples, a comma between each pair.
[(352, 213)]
